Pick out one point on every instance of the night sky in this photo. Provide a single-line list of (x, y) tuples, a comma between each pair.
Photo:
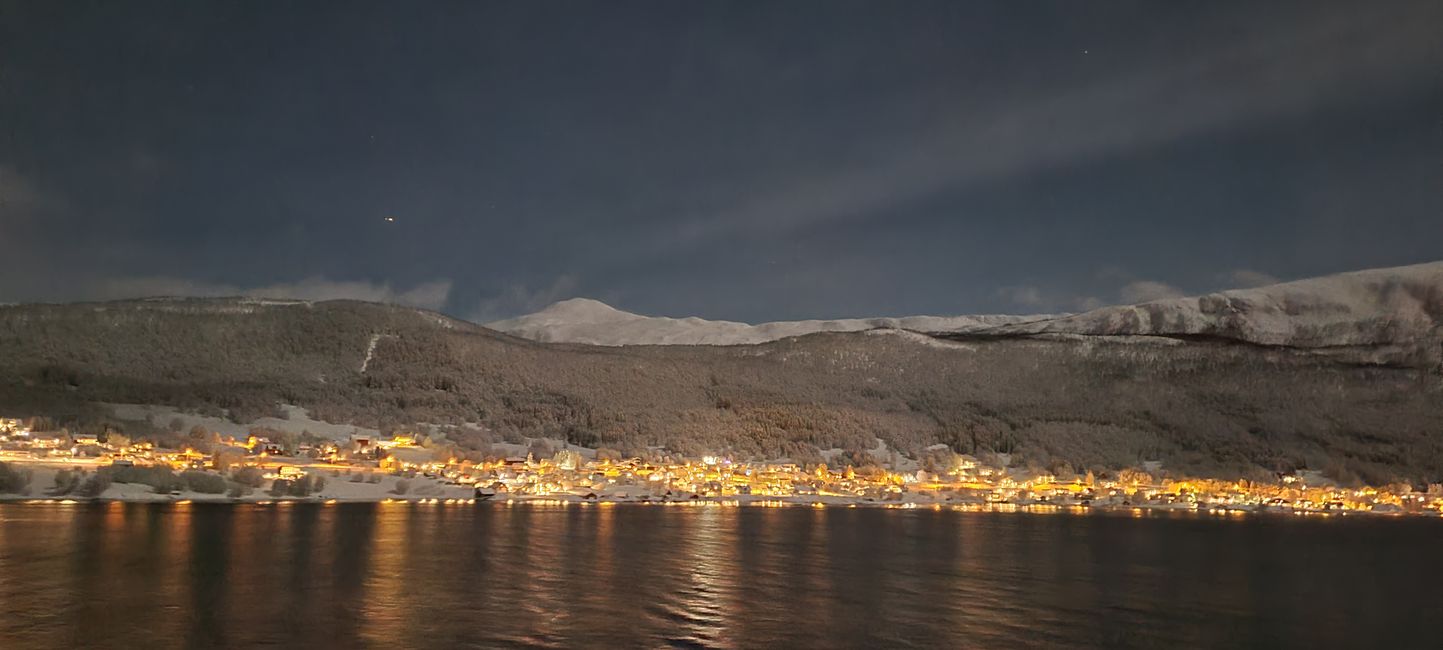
[(742, 160)]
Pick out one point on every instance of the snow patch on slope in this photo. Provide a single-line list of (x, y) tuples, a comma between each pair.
[(370, 352), (581, 320)]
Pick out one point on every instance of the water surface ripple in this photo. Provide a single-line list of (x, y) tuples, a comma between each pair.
[(492, 575)]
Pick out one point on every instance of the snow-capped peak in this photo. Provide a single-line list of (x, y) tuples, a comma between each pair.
[(580, 311)]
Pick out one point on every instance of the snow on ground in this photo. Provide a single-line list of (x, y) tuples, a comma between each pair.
[(338, 486), (883, 454), (342, 488), (298, 420), (581, 320)]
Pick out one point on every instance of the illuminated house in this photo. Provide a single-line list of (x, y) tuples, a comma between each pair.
[(363, 447)]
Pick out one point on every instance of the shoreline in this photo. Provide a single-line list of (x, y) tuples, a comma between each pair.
[(399, 477), (742, 502)]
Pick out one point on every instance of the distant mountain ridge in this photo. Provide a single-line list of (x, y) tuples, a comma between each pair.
[(1393, 311), (1399, 309), (582, 320)]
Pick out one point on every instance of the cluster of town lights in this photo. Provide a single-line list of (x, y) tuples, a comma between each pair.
[(571, 477)]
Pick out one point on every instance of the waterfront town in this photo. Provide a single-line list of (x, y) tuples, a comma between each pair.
[(398, 468)]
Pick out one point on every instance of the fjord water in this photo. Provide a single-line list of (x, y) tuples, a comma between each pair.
[(395, 575)]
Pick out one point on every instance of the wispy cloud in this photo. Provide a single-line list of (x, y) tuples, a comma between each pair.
[(1148, 290), (1025, 296), (1247, 279), (17, 193), (22, 204), (426, 295), (1329, 56), (519, 299), (1035, 299)]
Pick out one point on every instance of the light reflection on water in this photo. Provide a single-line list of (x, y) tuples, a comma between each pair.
[(398, 575)]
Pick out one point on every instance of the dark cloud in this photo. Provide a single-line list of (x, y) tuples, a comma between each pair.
[(1239, 80), (754, 161)]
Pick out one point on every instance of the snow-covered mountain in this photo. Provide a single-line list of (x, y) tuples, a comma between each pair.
[(1400, 306), (581, 320)]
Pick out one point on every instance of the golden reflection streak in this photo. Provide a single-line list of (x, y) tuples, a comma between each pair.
[(385, 584), (177, 540), (65, 538), (703, 545), (5, 572), (240, 554), (545, 555), (985, 605), (605, 525)]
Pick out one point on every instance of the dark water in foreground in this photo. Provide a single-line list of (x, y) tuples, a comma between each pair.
[(382, 576)]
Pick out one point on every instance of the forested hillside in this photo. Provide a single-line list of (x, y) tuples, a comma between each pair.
[(1198, 406)]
